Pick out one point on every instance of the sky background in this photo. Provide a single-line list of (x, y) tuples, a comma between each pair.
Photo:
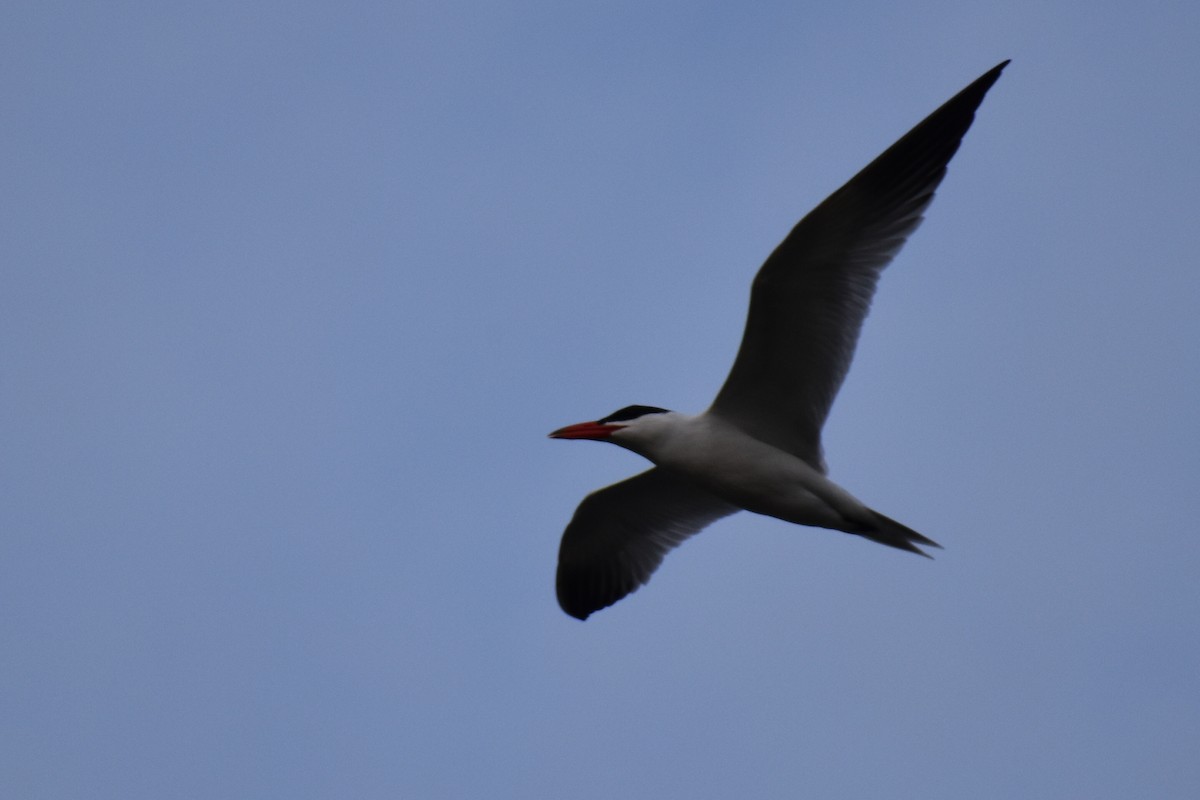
[(291, 293)]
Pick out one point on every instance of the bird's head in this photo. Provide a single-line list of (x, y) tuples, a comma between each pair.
[(628, 427)]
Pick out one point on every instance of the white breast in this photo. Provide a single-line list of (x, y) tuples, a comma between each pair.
[(756, 476)]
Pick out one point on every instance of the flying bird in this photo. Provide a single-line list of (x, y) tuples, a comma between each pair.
[(758, 446)]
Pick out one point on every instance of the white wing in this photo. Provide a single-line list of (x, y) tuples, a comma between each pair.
[(619, 536), (809, 299)]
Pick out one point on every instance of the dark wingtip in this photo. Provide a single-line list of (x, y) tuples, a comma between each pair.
[(974, 92), (993, 74), (572, 604), (578, 595), (582, 593), (574, 609)]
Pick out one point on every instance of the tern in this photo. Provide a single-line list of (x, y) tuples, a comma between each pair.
[(758, 446)]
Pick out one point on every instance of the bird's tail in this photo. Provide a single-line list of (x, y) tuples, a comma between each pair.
[(893, 534)]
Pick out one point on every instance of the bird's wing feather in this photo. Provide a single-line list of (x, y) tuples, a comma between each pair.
[(809, 299), (619, 536)]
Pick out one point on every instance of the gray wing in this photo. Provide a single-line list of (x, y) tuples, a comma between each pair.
[(809, 299), (619, 536)]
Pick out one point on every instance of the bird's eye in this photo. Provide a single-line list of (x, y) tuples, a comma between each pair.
[(632, 412)]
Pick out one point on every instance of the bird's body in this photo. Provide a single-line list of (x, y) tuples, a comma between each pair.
[(758, 447), (744, 471)]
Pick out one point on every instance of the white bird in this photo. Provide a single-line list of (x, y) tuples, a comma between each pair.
[(758, 447)]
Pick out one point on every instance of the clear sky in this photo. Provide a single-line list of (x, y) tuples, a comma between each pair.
[(291, 293)]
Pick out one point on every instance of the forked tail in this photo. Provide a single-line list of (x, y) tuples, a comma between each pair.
[(893, 534)]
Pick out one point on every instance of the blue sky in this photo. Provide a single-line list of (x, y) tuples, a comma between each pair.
[(292, 293)]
